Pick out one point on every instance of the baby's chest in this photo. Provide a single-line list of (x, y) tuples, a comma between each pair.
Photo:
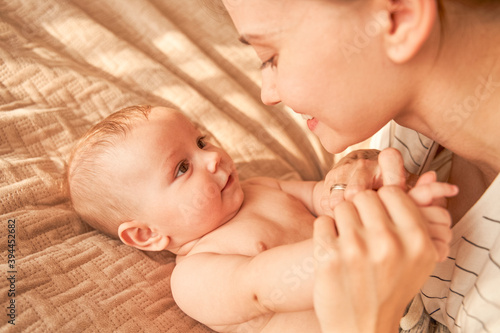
[(266, 220)]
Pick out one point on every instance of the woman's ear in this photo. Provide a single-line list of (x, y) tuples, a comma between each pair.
[(410, 24), (138, 235)]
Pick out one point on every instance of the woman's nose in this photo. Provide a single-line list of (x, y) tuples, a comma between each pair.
[(269, 93), (212, 160)]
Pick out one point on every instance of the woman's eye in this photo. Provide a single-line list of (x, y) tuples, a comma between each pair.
[(270, 62), (182, 169), (201, 142)]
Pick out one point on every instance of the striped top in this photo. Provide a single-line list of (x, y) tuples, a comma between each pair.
[(463, 292)]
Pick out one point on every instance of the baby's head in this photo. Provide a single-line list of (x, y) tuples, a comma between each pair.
[(149, 177)]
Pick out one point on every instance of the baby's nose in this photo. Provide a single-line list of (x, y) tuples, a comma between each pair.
[(213, 160)]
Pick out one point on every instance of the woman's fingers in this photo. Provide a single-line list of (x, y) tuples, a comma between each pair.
[(344, 296), (413, 229), (392, 168), (362, 170), (357, 171), (362, 178), (350, 231), (325, 232), (328, 278), (372, 211), (373, 259)]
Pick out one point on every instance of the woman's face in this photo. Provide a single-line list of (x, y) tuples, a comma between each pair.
[(322, 58)]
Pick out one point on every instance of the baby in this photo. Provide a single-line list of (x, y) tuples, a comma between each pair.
[(244, 250)]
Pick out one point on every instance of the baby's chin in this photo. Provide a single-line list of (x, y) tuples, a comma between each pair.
[(238, 198)]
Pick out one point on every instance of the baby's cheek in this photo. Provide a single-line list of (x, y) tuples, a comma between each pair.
[(202, 198)]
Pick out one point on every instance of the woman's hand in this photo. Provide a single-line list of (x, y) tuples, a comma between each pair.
[(379, 251), (371, 261), (362, 170)]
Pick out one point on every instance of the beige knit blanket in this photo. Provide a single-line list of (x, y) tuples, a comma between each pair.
[(64, 65)]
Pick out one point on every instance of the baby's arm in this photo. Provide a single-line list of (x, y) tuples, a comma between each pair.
[(220, 290), (308, 192), (429, 194)]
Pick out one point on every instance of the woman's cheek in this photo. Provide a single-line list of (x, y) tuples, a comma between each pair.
[(297, 94)]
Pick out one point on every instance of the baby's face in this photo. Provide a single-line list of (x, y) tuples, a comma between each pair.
[(185, 186)]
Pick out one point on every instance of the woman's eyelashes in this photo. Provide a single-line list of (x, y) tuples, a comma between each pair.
[(269, 62)]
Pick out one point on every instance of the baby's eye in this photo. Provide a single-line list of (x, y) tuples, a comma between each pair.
[(182, 169), (201, 142)]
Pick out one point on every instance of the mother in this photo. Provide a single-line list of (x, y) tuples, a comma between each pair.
[(432, 66)]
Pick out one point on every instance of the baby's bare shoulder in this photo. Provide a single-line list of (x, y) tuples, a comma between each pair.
[(263, 181)]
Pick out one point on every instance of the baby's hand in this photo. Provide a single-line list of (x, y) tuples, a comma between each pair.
[(430, 196)]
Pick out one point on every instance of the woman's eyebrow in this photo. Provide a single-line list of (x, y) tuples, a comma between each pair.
[(244, 39), (256, 38), (249, 39)]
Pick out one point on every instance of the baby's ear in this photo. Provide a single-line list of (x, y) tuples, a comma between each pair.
[(136, 234)]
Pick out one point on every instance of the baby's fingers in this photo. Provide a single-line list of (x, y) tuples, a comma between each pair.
[(426, 178), (425, 195), (442, 248), (437, 215), (439, 229)]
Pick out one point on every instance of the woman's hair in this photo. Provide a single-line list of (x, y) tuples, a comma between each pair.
[(215, 9), (91, 185)]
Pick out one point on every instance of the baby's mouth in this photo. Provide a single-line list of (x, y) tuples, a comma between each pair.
[(229, 181)]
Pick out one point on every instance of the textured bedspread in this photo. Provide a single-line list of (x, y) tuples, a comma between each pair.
[(64, 65)]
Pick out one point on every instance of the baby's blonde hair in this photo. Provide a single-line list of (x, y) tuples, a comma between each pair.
[(92, 189)]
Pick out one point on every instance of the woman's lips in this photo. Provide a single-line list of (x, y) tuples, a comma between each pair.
[(312, 123)]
